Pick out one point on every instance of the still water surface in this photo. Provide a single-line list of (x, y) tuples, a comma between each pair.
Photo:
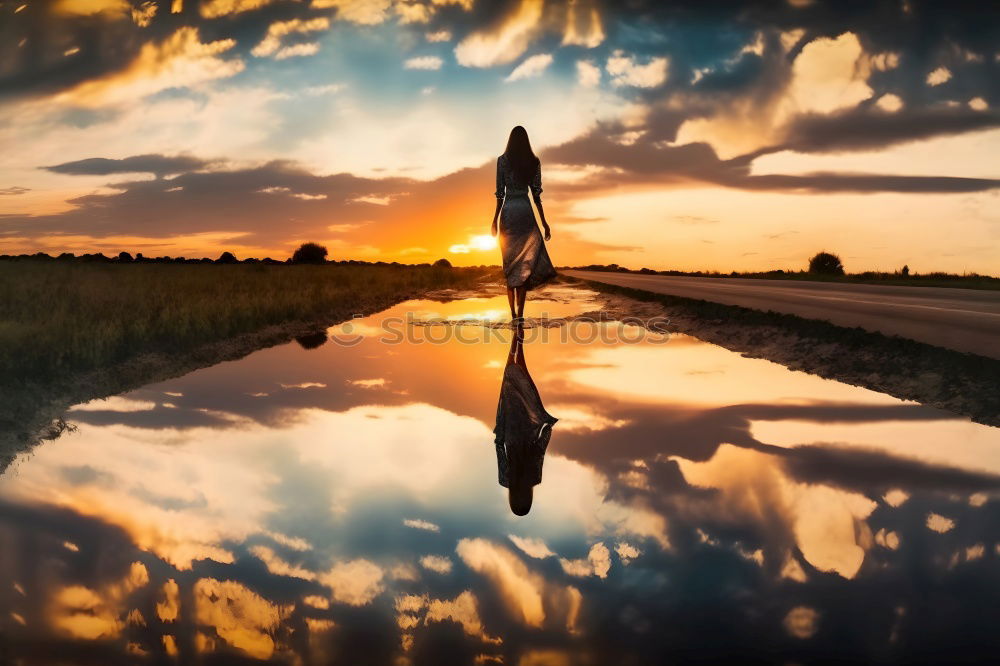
[(340, 504)]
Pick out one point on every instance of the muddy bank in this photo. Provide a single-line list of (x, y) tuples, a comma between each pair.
[(965, 384)]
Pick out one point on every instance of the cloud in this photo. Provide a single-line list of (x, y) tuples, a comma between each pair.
[(588, 74), (160, 165), (438, 36), (531, 67), (504, 42), (535, 548), (362, 12), (647, 164), (271, 44), (520, 589), (278, 565), (939, 76), (238, 615), (91, 7), (626, 71), (436, 563), (828, 75), (297, 50), (859, 129), (13, 191), (889, 102), (354, 583), (598, 563), (423, 62), (417, 523), (583, 26), (181, 60), (216, 8)]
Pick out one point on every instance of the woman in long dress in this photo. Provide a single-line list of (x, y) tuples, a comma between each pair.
[(526, 263), (522, 431)]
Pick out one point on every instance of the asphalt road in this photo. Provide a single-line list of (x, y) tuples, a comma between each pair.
[(966, 320)]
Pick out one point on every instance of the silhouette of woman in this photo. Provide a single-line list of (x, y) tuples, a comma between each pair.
[(526, 263), (522, 431)]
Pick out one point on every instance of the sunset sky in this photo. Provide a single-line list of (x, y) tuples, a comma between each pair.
[(689, 135)]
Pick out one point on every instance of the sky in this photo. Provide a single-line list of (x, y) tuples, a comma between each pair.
[(703, 135)]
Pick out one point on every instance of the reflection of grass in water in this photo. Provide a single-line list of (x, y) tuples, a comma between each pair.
[(58, 318)]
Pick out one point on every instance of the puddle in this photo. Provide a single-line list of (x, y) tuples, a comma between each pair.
[(322, 500)]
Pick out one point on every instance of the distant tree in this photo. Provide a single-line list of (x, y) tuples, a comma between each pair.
[(906, 270), (309, 253), (825, 263), (125, 257), (227, 258), (66, 256), (442, 263)]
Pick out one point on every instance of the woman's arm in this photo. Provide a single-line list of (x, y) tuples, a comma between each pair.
[(536, 193), (496, 214), (499, 194)]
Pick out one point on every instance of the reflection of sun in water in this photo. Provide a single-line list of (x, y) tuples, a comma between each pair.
[(476, 243)]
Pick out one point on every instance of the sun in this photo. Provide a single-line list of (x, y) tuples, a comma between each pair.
[(476, 244), (484, 242)]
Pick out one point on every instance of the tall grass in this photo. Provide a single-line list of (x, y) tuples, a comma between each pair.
[(63, 317)]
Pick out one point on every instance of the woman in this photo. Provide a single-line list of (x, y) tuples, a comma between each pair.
[(522, 431), (526, 264)]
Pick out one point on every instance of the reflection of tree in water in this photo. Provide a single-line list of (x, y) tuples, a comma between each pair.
[(312, 340)]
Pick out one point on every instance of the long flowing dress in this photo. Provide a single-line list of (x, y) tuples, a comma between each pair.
[(523, 428), (526, 262)]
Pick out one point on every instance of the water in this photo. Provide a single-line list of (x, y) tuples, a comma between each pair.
[(340, 504)]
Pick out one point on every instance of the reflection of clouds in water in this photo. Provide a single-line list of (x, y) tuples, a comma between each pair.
[(313, 503), (919, 440), (82, 612), (801, 622), (535, 548), (114, 404), (355, 583), (753, 489), (939, 523), (672, 373), (436, 563), (418, 524), (238, 615), (597, 563), (521, 590)]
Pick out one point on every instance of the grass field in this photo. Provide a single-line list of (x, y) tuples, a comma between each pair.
[(58, 318)]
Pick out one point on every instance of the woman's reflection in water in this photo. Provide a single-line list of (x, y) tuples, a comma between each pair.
[(522, 431)]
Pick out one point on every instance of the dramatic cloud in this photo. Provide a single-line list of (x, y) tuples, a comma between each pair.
[(180, 60), (680, 96), (502, 43)]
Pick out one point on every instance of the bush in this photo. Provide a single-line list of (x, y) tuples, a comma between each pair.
[(309, 253), (227, 258), (442, 263), (825, 263)]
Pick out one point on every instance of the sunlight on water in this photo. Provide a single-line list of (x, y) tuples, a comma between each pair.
[(308, 503)]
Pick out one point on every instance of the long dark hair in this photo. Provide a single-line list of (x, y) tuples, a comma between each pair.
[(520, 158)]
